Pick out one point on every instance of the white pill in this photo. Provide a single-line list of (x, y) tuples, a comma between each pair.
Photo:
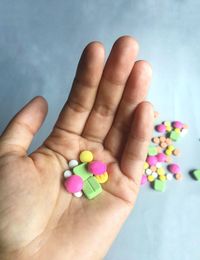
[(78, 194), (169, 176), (158, 165), (148, 171), (154, 174), (67, 173), (72, 164)]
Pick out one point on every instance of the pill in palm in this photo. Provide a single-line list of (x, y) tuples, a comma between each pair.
[(73, 184), (72, 164)]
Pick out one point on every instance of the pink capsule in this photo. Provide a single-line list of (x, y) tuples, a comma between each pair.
[(97, 167), (161, 157), (177, 124), (174, 168), (151, 160), (144, 180), (161, 128), (73, 184)]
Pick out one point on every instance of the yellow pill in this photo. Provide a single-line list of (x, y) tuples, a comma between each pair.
[(160, 171), (102, 178), (146, 165), (168, 152), (151, 178), (168, 128), (162, 177), (86, 156), (170, 147), (177, 130)]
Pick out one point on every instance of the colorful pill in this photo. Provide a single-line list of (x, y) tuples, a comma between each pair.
[(161, 128), (144, 179), (161, 157), (86, 156), (177, 124), (174, 168), (67, 173), (152, 160), (97, 167), (103, 178), (72, 164), (73, 184)]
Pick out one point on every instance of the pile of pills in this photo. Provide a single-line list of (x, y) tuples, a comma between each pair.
[(159, 167), (85, 177)]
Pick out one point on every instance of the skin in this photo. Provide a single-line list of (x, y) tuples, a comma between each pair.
[(106, 113)]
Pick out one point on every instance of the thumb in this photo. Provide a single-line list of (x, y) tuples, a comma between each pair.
[(19, 133)]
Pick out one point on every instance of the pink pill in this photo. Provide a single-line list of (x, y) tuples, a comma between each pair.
[(177, 124), (174, 168), (73, 184), (161, 128), (97, 167), (144, 180), (151, 160), (161, 157)]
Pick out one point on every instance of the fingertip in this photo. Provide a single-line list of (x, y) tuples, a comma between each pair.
[(127, 42)]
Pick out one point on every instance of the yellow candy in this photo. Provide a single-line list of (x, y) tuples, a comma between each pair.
[(86, 156), (168, 152), (162, 177), (168, 128), (150, 178), (102, 178), (160, 171), (177, 130), (146, 165), (170, 147)]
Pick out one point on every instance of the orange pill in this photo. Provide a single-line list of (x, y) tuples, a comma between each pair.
[(176, 152), (156, 140), (163, 145), (153, 168), (162, 138), (178, 176), (168, 141)]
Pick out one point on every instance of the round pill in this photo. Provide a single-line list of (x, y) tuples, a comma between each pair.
[(161, 157), (162, 138), (169, 176), (103, 178), (168, 152), (146, 165), (152, 160), (162, 177), (168, 141), (161, 128), (156, 140), (168, 128), (159, 149), (150, 178), (178, 176), (144, 179), (167, 123), (73, 184), (163, 145), (160, 171), (177, 124), (148, 171), (67, 173), (170, 147), (153, 168), (176, 152), (97, 167), (154, 174), (174, 168), (78, 194), (72, 164), (86, 156)]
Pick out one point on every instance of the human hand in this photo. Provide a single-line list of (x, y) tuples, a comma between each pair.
[(106, 114)]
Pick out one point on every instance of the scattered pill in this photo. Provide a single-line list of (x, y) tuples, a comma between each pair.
[(163, 145), (162, 177), (81, 170), (177, 124), (152, 160), (103, 178), (72, 163), (148, 171), (67, 173), (160, 171), (91, 188), (178, 176), (159, 185), (154, 174), (156, 140), (168, 152), (174, 168), (169, 176), (152, 150), (73, 184), (78, 194), (161, 157), (176, 152), (196, 174), (161, 128), (153, 168), (97, 167), (162, 139), (146, 165), (151, 178), (174, 136), (86, 156)]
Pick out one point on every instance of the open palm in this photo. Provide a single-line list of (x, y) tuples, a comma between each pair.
[(105, 113)]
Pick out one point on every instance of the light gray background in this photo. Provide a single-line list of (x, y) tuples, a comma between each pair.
[(40, 44)]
